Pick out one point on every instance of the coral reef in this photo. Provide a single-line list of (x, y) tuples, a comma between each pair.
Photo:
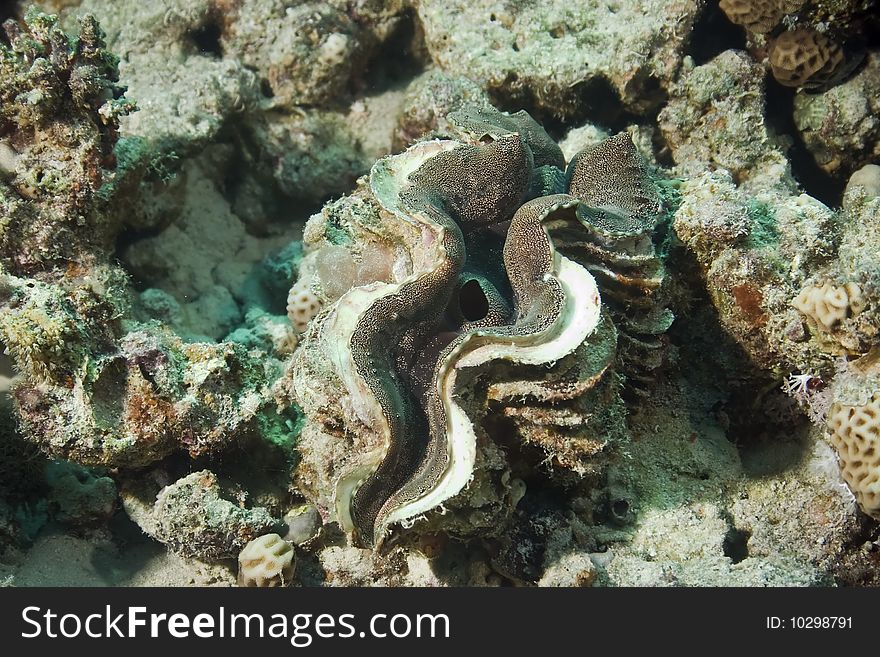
[(428, 101), (61, 106), (155, 395), (312, 293), (715, 118), (796, 286), (319, 48), (101, 382), (762, 265)]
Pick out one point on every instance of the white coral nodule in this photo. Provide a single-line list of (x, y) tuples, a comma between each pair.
[(266, 561)]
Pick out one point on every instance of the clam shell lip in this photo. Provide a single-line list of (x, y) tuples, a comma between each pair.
[(578, 319), (480, 122), (389, 175)]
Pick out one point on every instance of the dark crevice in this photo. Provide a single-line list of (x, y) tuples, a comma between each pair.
[(472, 301), (662, 151), (871, 33), (8, 11), (593, 101), (713, 33), (527, 461), (780, 119), (859, 566), (266, 88), (126, 239), (736, 545), (598, 102), (400, 58), (206, 38)]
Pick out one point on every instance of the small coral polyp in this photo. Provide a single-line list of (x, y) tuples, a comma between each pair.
[(496, 254), (302, 305)]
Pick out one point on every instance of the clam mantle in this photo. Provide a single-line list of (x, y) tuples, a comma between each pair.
[(490, 280)]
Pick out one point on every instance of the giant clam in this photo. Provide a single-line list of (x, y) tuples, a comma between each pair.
[(500, 263)]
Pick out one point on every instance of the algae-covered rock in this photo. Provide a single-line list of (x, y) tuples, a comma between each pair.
[(715, 118), (840, 127), (427, 102), (81, 497), (560, 55), (60, 106), (193, 520)]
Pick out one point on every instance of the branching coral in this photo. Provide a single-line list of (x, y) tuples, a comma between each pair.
[(481, 292)]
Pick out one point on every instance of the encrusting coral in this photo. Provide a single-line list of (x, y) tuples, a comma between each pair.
[(408, 359), (854, 430)]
